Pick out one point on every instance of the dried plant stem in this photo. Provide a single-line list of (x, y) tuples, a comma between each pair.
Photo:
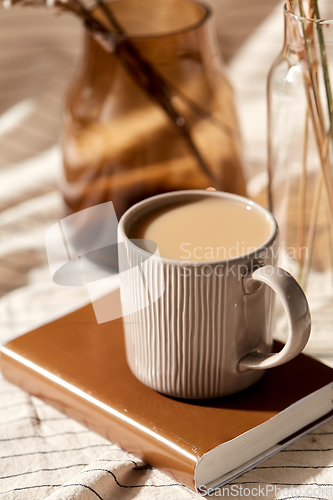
[(79, 8), (313, 219), (312, 100), (324, 63), (156, 88), (197, 109), (304, 272), (306, 55), (312, 65), (110, 16), (151, 82), (322, 146), (302, 196), (269, 151), (314, 106), (322, 138)]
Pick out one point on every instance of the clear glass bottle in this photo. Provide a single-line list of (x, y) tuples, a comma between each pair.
[(300, 138)]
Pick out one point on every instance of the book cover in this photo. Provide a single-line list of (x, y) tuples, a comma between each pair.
[(80, 367)]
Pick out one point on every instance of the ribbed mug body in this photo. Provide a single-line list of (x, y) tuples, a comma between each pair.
[(188, 342)]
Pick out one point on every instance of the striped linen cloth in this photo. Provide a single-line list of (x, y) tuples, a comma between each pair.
[(43, 454)]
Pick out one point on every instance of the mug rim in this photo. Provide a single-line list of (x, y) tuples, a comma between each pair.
[(131, 212)]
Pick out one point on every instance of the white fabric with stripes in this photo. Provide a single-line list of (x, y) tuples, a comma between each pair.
[(44, 454)]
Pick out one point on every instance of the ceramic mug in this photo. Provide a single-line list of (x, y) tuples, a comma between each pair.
[(191, 333)]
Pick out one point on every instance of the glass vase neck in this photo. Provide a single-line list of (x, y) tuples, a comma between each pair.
[(198, 41), (301, 31)]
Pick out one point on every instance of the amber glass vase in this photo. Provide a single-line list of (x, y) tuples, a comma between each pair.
[(124, 137)]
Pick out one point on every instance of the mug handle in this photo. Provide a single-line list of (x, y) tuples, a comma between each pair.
[(297, 309)]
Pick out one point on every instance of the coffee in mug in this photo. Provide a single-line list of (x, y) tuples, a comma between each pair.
[(201, 327), (203, 230)]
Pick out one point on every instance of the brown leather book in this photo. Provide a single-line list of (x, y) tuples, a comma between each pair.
[(80, 367)]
